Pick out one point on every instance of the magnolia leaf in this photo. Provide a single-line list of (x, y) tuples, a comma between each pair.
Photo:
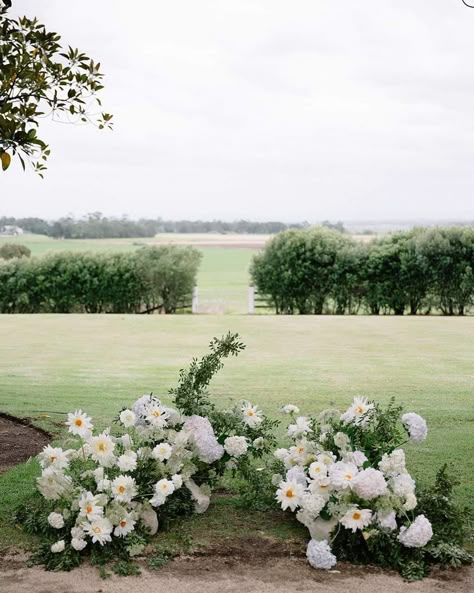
[(6, 160)]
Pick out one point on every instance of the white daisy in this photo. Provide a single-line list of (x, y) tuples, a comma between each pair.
[(79, 423), (125, 525), (356, 518), (53, 457), (289, 495), (124, 488), (341, 474), (157, 416), (252, 416), (102, 448), (100, 531), (89, 506)]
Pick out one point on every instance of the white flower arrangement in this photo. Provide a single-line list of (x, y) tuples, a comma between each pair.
[(333, 485)]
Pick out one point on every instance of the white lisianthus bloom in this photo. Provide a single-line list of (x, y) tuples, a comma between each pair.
[(341, 474), (236, 446), (356, 518), (177, 481), (319, 555), (77, 533), (326, 457), (387, 520), (322, 487), (281, 454), (126, 441), (317, 470), (102, 448), (53, 457), (56, 520), (418, 534), (89, 506), (301, 427), (252, 416), (79, 424), (203, 437), (128, 418), (157, 416), (53, 483), (341, 440), (127, 462), (290, 409), (162, 451), (124, 488), (100, 531), (125, 525), (356, 457), (297, 474), (369, 483), (58, 546), (78, 543), (258, 443), (358, 412), (393, 464), (289, 495), (416, 426)]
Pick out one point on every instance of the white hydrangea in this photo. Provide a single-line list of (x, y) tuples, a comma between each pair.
[(204, 439), (356, 457), (403, 485), (236, 446), (298, 475), (418, 534), (416, 426), (58, 547), (387, 520), (393, 464), (369, 483), (313, 504), (56, 520), (319, 555)]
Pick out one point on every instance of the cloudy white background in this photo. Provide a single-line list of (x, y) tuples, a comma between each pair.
[(264, 109)]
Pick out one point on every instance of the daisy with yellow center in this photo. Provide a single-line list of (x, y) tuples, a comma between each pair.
[(79, 423), (124, 488), (289, 495), (252, 416), (356, 518)]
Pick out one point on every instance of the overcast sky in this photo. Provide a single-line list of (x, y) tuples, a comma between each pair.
[(264, 109)]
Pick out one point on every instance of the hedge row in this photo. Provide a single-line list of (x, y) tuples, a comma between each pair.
[(319, 271), (149, 279)]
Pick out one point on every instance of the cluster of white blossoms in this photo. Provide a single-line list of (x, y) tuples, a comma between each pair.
[(111, 486), (331, 484)]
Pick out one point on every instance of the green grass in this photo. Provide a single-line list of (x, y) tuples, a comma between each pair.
[(100, 363), (223, 277)]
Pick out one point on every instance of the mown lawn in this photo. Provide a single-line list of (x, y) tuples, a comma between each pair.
[(53, 364)]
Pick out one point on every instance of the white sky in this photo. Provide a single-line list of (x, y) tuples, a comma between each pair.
[(264, 109)]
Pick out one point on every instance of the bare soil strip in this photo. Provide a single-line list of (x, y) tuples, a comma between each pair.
[(228, 575), (19, 440)]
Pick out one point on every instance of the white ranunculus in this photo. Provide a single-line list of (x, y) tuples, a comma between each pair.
[(387, 520), (127, 462), (58, 547), (128, 418), (162, 451), (236, 446), (393, 464), (56, 520), (78, 543)]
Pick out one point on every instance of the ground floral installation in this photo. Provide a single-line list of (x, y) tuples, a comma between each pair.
[(346, 478), (106, 494)]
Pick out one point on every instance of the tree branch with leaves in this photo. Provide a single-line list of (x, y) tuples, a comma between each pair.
[(40, 79)]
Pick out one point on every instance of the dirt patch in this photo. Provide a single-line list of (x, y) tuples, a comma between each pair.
[(218, 574), (19, 440)]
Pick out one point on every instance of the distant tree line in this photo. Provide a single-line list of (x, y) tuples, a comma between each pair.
[(97, 226), (147, 280), (318, 271)]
